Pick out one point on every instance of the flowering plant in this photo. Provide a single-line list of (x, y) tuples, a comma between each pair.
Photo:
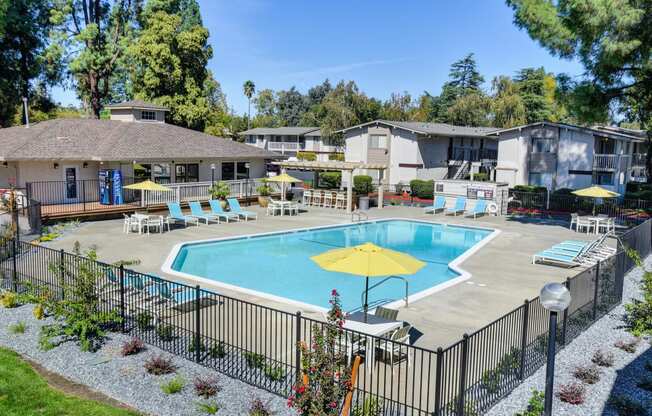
[(326, 376)]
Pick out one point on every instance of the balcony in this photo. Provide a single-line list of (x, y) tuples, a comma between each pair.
[(605, 162), (469, 154), (638, 160), (285, 146)]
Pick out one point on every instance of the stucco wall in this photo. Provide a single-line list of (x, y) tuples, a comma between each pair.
[(512, 158), (575, 154), (8, 175), (356, 146)]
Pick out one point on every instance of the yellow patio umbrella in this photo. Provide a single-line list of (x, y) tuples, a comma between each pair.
[(145, 186), (595, 192), (283, 178), (368, 260)]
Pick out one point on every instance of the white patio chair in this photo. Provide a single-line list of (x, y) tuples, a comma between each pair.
[(129, 224), (307, 197), (316, 198), (340, 201), (573, 221), (154, 222), (584, 223), (328, 200), (394, 346)]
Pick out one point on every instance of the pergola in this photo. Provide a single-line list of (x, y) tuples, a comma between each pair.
[(346, 168)]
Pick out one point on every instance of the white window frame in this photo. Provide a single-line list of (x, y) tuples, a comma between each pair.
[(149, 113)]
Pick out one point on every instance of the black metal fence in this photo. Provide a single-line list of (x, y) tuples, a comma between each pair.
[(259, 345), (626, 211)]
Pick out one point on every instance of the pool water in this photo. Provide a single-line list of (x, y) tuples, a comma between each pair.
[(280, 264)]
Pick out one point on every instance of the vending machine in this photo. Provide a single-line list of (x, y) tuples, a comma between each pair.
[(110, 187)]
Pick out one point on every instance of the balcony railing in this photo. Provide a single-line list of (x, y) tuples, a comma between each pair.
[(610, 162), (638, 160), (285, 146), (469, 154), (198, 191)]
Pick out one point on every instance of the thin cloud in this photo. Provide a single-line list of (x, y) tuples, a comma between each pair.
[(337, 69)]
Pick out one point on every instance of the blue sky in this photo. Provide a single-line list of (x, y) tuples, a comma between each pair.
[(385, 46)]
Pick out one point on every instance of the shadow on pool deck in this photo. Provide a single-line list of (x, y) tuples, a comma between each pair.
[(502, 275)]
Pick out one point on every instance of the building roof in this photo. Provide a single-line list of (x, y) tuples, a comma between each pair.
[(137, 104), (434, 129), (602, 131), (280, 131), (108, 140), (330, 165)]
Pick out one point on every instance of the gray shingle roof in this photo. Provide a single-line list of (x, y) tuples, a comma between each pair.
[(108, 140), (139, 104), (437, 129), (279, 131)]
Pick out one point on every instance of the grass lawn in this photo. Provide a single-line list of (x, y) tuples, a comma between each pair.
[(24, 392)]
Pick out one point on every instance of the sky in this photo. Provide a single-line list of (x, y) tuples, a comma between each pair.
[(385, 46)]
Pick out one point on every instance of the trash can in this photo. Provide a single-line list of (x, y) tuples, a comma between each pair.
[(363, 203)]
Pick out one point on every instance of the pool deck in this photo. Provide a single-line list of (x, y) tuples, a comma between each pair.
[(502, 275)]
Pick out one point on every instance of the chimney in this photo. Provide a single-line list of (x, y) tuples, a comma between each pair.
[(26, 109)]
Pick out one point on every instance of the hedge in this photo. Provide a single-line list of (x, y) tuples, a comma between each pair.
[(336, 156), (422, 189), (530, 188), (330, 180), (309, 156), (362, 184)]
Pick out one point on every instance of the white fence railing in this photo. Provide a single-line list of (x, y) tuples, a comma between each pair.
[(198, 191), (610, 162), (284, 146)]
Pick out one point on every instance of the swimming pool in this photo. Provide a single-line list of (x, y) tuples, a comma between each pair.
[(278, 265)]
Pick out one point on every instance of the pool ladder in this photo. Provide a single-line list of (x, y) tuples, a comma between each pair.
[(403, 279), (358, 216)]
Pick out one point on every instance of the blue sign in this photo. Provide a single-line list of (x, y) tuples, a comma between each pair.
[(117, 187)]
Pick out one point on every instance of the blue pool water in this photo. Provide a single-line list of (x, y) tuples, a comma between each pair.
[(280, 264)]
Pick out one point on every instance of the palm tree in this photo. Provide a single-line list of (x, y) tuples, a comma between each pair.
[(249, 90)]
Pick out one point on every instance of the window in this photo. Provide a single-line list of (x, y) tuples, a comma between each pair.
[(142, 171), (242, 170), (235, 170), (251, 139), (228, 171), (541, 145), (378, 141), (186, 172), (148, 115), (603, 178), (161, 172)]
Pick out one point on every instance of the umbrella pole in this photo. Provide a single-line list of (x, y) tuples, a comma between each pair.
[(366, 298)]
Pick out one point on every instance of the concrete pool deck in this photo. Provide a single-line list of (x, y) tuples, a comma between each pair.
[(502, 275)]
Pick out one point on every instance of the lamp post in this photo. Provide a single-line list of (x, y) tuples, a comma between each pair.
[(212, 173), (554, 297)]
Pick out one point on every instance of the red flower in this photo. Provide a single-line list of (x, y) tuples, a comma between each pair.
[(301, 389), (334, 292), (332, 405)]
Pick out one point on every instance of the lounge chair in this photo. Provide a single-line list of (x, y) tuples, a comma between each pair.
[(556, 258), (480, 208), (175, 296), (460, 206), (177, 215), (197, 211), (574, 253), (438, 204), (235, 207), (216, 209)]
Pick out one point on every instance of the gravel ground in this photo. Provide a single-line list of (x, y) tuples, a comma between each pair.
[(621, 379), (125, 379)]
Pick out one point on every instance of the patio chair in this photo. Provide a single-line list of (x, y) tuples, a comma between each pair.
[(395, 345), (155, 222), (573, 221), (439, 204), (460, 206), (584, 223), (177, 215), (389, 314), (171, 294), (340, 201), (216, 209), (129, 224), (480, 208), (283, 206), (235, 207), (328, 200), (197, 211), (307, 197)]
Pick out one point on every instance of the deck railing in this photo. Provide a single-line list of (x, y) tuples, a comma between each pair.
[(610, 162), (260, 345)]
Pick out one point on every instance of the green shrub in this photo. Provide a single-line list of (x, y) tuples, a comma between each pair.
[(254, 360), (362, 184), (330, 180), (18, 328), (422, 189), (530, 188), (563, 191), (165, 332), (274, 373), (309, 156), (481, 177), (371, 406), (336, 156), (210, 408), (173, 386), (144, 321), (535, 405), (638, 313), (193, 343), (217, 350), (9, 299)]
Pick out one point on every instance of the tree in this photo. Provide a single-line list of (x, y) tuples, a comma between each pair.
[(470, 110), (532, 89), (507, 106), (399, 107), (90, 36), (169, 62), (612, 40), (290, 105), (465, 76), (317, 93), (249, 89), (24, 27)]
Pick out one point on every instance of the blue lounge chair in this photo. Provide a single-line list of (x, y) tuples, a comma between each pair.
[(235, 207), (216, 209), (460, 206), (175, 295), (556, 258), (177, 215), (480, 208), (438, 204), (197, 211)]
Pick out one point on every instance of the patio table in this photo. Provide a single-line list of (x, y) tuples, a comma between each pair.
[(143, 218), (596, 222), (375, 326)]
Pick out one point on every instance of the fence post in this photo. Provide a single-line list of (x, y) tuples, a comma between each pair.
[(595, 290), (463, 367), (14, 265), (122, 298), (84, 195), (440, 360), (526, 319), (197, 340), (565, 319), (62, 278), (297, 349)]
